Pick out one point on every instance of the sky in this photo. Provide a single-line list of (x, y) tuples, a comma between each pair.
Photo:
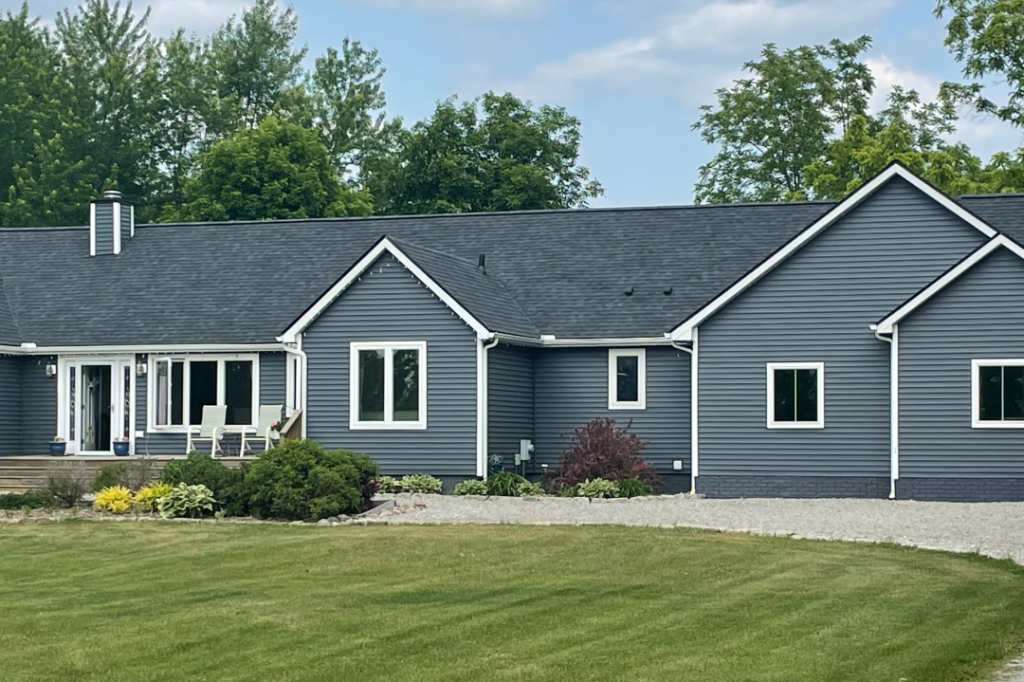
[(633, 71)]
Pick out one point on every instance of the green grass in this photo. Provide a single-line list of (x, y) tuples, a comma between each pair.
[(154, 601)]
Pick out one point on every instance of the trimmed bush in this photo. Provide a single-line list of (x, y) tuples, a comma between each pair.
[(505, 484), (109, 476), (388, 484), (420, 483), (597, 488), (300, 480), (33, 499), (603, 450), (634, 487), (470, 486), (187, 501), (114, 500), (228, 486)]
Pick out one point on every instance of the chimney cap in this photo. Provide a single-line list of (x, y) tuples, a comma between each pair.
[(111, 194)]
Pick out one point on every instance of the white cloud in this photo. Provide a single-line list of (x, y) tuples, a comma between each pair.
[(199, 16), (467, 7)]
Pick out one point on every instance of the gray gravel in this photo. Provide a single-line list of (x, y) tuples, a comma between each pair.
[(992, 529)]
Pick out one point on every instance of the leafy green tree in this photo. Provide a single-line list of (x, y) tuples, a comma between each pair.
[(496, 153), (275, 171)]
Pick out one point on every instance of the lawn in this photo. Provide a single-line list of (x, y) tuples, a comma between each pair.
[(140, 602)]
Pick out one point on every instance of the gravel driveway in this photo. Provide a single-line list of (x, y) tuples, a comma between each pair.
[(993, 529)]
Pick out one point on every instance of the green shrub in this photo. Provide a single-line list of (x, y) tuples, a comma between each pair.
[(530, 489), (634, 487), (470, 486), (187, 501), (505, 484), (597, 488), (420, 483), (300, 480), (109, 476), (566, 490), (33, 499), (388, 484), (229, 486)]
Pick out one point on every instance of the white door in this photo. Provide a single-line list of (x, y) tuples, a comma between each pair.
[(97, 401)]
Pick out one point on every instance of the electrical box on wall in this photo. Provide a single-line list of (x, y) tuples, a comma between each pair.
[(525, 448)]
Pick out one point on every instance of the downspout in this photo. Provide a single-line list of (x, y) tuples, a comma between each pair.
[(693, 350), (894, 403), (303, 372), (482, 383)]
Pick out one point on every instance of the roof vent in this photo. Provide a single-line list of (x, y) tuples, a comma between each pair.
[(481, 263), (111, 194), (111, 224), (668, 292), (629, 291)]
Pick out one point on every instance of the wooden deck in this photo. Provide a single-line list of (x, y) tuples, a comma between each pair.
[(28, 472)]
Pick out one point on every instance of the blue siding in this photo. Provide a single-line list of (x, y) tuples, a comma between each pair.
[(38, 405), (978, 316), (571, 388), (510, 399), (126, 225), (388, 304), (816, 307), (10, 406), (104, 228)]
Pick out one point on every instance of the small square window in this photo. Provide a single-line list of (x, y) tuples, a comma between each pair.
[(627, 379), (997, 394), (796, 395)]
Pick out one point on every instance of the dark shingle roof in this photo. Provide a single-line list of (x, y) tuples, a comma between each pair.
[(548, 272)]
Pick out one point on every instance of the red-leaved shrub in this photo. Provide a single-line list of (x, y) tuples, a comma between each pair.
[(603, 450)]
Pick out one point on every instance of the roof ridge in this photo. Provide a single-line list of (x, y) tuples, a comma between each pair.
[(417, 245)]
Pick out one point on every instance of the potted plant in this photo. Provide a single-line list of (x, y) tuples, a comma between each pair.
[(58, 447), (121, 446)]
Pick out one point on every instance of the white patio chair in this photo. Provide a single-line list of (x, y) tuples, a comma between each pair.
[(267, 416), (211, 430)]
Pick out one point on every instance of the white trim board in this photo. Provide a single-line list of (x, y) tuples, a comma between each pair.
[(1001, 241), (641, 378), (388, 423), (385, 245), (976, 421), (683, 332), (819, 423)]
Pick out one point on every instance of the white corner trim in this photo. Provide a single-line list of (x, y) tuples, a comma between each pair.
[(613, 387), (482, 404), (131, 231), (976, 422), (770, 395), (923, 296), (389, 423), (383, 246), (117, 226), (92, 229), (681, 333)]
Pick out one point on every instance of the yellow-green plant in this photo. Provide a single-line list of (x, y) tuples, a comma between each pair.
[(115, 500), (147, 498)]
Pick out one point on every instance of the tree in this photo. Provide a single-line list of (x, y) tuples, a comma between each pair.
[(496, 153), (278, 170)]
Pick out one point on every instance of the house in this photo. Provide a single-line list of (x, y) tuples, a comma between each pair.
[(872, 347)]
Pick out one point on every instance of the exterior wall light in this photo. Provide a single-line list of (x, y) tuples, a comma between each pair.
[(51, 369)]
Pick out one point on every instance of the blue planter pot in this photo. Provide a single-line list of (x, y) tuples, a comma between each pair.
[(58, 449), (121, 448)]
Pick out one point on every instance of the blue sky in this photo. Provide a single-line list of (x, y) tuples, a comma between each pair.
[(634, 71)]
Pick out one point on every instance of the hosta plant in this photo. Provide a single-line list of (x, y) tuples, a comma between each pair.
[(420, 483), (470, 486), (530, 489), (148, 498), (187, 501), (634, 487), (505, 484), (388, 484), (597, 488), (115, 499)]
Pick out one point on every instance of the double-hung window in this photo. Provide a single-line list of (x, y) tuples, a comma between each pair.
[(997, 394), (388, 385), (627, 379), (181, 386), (796, 395)]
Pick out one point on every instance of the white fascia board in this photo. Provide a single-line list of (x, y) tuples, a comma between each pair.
[(548, 341), (384, 245), (682, 332), (1001, 241), (149, 349)]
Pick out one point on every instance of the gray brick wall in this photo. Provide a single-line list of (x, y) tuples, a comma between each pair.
[(961, 489), (793, 486)]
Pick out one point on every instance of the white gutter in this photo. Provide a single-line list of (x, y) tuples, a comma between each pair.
[(33, 349), (550, 341), (694, 351), (297, 351), (482, 346), (894, 404)]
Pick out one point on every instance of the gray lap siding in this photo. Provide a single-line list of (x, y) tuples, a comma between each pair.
[(38, 405), (388, 304), (510, 411), (571, 388), (979, 316), (816, 307)]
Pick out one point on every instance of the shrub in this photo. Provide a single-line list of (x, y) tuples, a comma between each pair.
[(300, 480), (33, 499), (187, 501), (116, 499), (420, 483), (530, 489), (109, 476), (603, 450), (228, 486), (470, 486), (148, 497), (634, 487), (505, 484), (67, 480), (388, 484), (566, 490), (597, 488)]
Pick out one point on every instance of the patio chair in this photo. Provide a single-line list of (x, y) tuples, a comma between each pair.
[(268, 415), (211, 430)]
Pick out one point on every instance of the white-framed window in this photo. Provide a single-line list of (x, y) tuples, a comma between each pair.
[(627, 379), (181, 385), (388, 385), (796, 395), (997, 394)]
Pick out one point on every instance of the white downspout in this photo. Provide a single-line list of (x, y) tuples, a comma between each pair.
[(482, 346), (894, 405), (303, 373), (694, 351)]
